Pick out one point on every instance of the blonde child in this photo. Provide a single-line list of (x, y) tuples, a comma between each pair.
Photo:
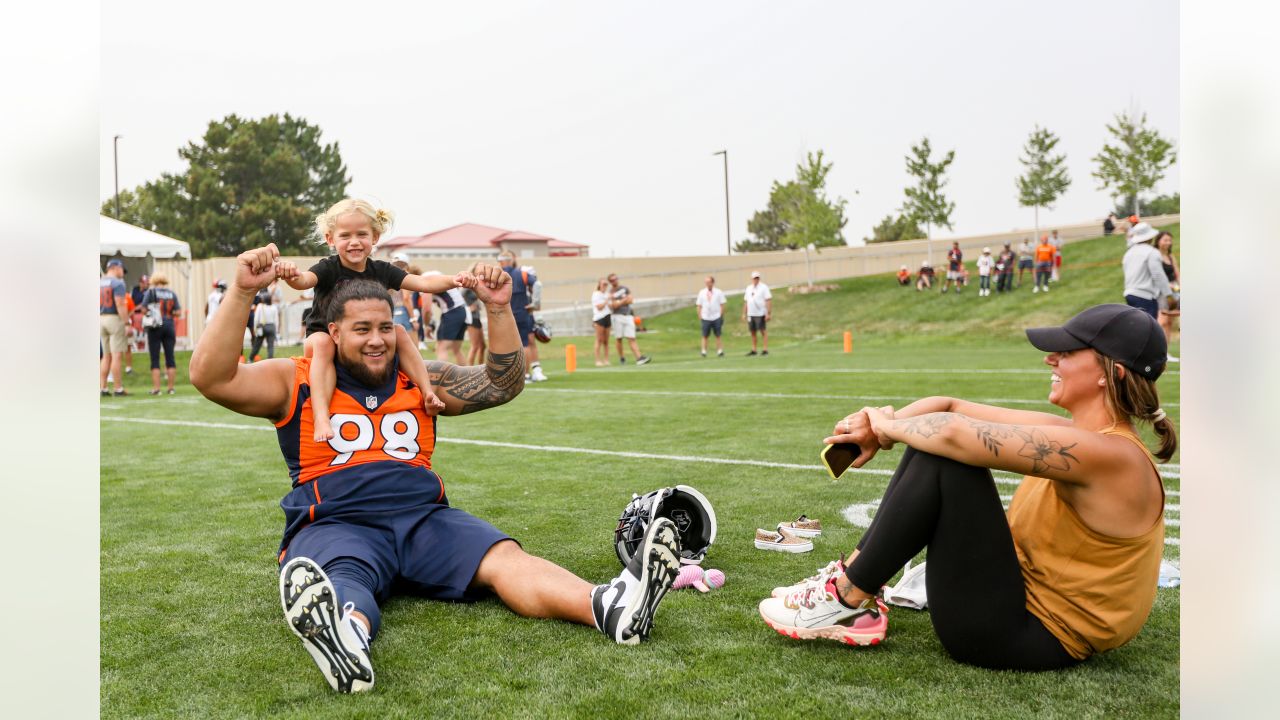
[(352, 228)]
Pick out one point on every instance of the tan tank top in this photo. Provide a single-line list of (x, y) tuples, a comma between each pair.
[(1092, 591)]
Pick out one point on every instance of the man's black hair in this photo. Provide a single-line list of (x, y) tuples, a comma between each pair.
[(356, 290)]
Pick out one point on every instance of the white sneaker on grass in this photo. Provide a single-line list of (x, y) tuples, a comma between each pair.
[(536, 375), (624, 607), (814, 612), (825, 573), (338, 643)]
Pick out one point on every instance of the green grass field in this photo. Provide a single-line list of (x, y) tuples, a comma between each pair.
[(191, 624)]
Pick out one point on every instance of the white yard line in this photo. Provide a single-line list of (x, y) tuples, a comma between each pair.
[(1001, 477), (780, 396)]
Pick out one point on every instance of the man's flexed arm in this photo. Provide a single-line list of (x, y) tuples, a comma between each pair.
[(501, 378), (261, 389)]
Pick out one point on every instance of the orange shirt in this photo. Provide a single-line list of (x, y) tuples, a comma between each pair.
[(369, 426), (1093, 592), (1044, 252)]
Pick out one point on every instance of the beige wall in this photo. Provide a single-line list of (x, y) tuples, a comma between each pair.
[(566, 281)]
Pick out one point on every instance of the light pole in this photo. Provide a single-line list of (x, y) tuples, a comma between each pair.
[(728, 246), (809, 268), (115, 161)]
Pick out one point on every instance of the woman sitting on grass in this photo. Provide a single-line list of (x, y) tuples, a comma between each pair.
[(1071, 570)]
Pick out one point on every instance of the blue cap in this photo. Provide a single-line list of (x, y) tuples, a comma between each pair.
[(115, 262)]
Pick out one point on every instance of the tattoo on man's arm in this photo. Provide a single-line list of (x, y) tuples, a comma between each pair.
[(499, 380)]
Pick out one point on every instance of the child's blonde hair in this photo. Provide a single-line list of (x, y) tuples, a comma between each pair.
[(379, 218)]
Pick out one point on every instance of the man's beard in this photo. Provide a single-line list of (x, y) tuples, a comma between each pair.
[(363, 374)]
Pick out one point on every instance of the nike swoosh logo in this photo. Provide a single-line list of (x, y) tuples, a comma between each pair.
[(817, 618)]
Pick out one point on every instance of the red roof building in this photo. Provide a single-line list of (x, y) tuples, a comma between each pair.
[(470, 240)]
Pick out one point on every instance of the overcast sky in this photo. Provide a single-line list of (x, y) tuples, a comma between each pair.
[(596, 122)]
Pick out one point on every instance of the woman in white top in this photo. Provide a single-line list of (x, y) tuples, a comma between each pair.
[(600, 321)]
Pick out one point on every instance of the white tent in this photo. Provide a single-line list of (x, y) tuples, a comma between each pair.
[(116, 238)]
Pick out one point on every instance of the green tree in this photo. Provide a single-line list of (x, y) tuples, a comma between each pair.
[(1135, 163), (893, 229), (925, 202), (247, 183), (1046, 175), (799, 212), (1162, 205)]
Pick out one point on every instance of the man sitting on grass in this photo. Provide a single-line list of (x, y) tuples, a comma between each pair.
[(367, 512)]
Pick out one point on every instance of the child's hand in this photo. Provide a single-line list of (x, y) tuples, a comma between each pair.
[(431, 404), (286, 270), (465, 279)]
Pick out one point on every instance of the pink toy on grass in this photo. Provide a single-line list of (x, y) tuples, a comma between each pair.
[(690, 576), (714, 578)]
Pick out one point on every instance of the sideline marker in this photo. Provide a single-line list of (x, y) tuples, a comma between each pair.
[(848, 341), (570, 358)]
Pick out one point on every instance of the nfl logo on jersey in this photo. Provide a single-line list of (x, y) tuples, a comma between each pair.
[(371, 401)]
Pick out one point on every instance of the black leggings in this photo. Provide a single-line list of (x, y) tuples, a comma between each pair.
[(977, 601), (157, 338)]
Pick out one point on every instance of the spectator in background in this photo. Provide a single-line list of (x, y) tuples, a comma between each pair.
[(924, 278), (1145, 285), (1173, 308), (711, 303), (955, 264), (266, 319), (1109, 225), (986, 264), (113, 316), (401, 300), (522, 308), (162, 336), (904, 276), (1056, 242), (622, 320), (1025, 260), (1004, 268), (215, 299), (1044, 264), (600, 321), (135, 320), (475, 329), (451, 328), (420, 311), (1133, 221), (757, 310)]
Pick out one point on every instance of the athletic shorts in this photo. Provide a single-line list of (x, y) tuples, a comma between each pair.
[(624, 326), (475, 321), (712, 326), (400, 315), (453, 325), (112, 333), (1025, 263), (1057, 260), (954, 275), (604, 322), (428, 550), (1146, 305), (524, 326), (756, 322)]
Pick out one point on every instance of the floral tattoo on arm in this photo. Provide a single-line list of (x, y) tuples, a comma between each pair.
[(1037, 447), (926, 426)]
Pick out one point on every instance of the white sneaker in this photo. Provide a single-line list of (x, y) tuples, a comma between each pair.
[(422, 346), (825, 573), (537, 375), (781, 540), (814, 612), (1046, 288), (1035, 289), (338, 643), (1172, 358), (624, 607)]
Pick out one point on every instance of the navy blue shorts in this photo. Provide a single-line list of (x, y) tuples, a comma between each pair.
[(710, 326), (453, 325), (524, 326), (431, 551), (756, 323), (1150, 307)]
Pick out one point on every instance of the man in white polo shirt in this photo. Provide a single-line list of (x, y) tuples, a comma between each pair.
[(711, 302), (757, 310)]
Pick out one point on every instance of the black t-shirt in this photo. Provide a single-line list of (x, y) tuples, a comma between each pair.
[(1108, 227), (330, 272)]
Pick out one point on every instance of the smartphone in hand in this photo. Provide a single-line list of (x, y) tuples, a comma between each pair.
[(837, 458)]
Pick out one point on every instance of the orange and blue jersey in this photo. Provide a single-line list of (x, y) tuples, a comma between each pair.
[(109, 288), (379, 459)]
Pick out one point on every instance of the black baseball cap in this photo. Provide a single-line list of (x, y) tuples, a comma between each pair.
[(1125, 334)]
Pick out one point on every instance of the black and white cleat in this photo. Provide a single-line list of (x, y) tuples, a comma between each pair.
[(331, 637), (624, 607)]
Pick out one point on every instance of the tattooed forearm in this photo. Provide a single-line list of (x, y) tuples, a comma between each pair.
[(499, 380), (926, 426), (990, 434)]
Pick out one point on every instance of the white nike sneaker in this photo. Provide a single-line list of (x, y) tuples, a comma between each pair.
[(537, 375), (337, 642), (625, 606), (825, 573), (814, 612)]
